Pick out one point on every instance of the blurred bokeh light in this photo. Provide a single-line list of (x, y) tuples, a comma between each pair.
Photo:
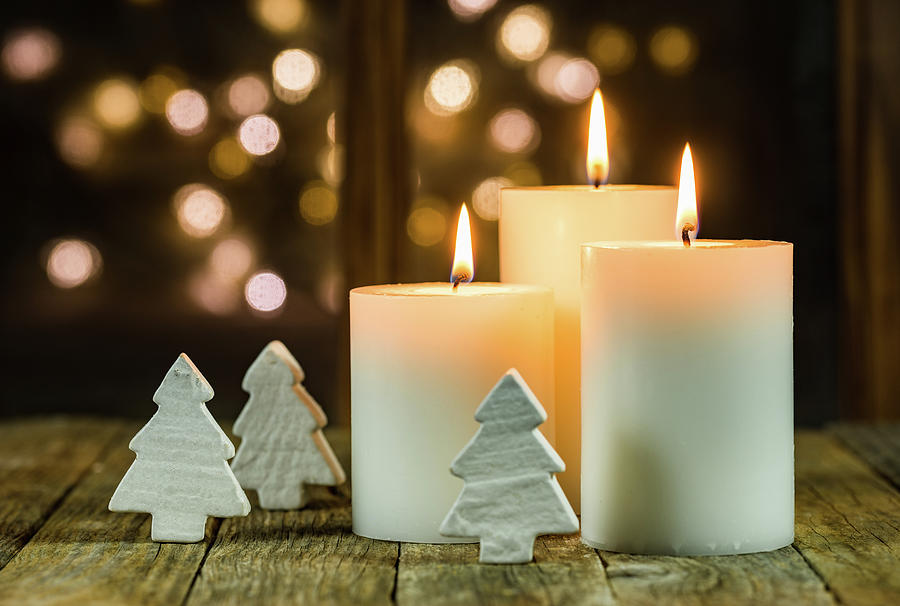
[(248, 95), (486, 197), (200, 210), (30, 54), (279, 16), (576, 80), (295, 73), (329, 128), (156, 89), (214, 293), (72, 262), (232, 258), (523, 173), (330, 162), (79, 141), (265, 291), (470, 10), (187, 112), (427, 223), (611, 48), (451, 88), (116, 104), (513, 131), (673, 49), (524, 34), (318, 203), (227, 159), (259, 135)]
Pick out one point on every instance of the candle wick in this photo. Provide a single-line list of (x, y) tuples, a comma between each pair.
[(597, 183), (686, 234), (456, 280)]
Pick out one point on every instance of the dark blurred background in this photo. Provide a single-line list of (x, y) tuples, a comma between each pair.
[(207, 176)]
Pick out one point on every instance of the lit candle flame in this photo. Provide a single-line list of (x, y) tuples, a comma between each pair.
[(597, 150), (687, 223), (463, 263)]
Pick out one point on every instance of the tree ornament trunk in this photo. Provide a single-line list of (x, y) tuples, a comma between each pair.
[(178, 527), (505, 550)]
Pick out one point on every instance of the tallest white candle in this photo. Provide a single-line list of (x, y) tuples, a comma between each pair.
[(541, 229)]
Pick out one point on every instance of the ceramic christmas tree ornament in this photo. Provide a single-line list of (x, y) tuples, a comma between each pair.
[(510, 495), (282, 445), (180, 476)]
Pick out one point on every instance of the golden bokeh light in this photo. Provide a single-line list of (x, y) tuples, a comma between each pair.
[(187, 112), (523, 173), (486, 197), (259, 135), (116, 104), (213, 293), (470, 10), (329, 128), (524, 34), (331, 291), (435, 129), (295, 73), (513, 131), (248, 95), (72, 262), (200, 210), (427, 223), (543, 74), (232, 259), (227, 159), (611, 48), (79, 141), (279, 16), (318, 203), (30, 54), (156, 89), (673, 49), (265, 291), (576, 80), (451, 88), (330, 162)]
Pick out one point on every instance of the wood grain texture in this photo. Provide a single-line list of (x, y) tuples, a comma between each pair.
[(296, 557), (40, 460), (777, 577), (564, 572), (85, 554), (847, 522), (878, 445)]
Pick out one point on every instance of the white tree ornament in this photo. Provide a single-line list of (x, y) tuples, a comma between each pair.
[(282, 445), (510, 494), (180, 475)]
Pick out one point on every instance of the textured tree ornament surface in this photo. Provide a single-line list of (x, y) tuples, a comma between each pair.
[(282, 445), (510, 495), (181, 475)]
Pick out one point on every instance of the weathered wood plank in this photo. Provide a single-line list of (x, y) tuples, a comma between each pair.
[(85, 554), (296, 557), (878, 445), (40, 460), (778, 577), (847, 523), (564, 572)]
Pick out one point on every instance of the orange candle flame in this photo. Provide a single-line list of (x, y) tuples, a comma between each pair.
[(597, 150), (687, 222), (463, 270)]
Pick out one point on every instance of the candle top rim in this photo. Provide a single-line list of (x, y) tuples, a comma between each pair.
[(698, 244), (616, 187), (445, 289)]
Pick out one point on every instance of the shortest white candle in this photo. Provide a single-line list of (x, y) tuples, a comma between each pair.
[(423, 357), (687, 397)]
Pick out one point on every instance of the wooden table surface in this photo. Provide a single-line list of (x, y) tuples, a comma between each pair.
[(60, 545)]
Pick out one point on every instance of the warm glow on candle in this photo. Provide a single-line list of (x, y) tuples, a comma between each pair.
[(463, 262), (597, 151), (687, 223)]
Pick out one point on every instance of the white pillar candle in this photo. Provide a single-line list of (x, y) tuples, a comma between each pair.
[(541, 229), (422, 358), (687, 396)]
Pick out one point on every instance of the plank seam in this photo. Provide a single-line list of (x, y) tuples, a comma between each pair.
[(396, 575), (812, 567), (860, 454), (605, 565), (213, 535), (101, 454)]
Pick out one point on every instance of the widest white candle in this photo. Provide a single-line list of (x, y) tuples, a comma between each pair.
[(541, 229), (687, 397), (423, 357)]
